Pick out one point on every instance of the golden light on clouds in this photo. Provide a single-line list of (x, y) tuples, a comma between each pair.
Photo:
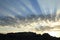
[(58, 12), (44, 17), (38, 26)]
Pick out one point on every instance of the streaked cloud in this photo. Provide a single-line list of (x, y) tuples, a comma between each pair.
[(29, 15)]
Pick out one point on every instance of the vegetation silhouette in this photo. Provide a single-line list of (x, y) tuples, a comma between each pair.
[(27, 36)]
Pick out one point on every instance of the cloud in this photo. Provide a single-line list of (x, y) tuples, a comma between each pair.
[(6, 20), (24, 15), (44, 28), (37, 26)]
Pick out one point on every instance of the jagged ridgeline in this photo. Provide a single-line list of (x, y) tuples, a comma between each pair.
[(27, 36)]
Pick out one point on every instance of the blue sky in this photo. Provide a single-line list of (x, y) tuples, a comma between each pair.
[(27, 7), (24, 8)]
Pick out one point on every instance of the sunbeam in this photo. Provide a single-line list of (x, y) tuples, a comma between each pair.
[(38, 16)]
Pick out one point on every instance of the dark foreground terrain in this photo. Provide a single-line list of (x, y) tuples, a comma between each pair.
[(26, 36)]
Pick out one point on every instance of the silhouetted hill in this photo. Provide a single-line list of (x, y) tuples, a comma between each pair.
[(26, 36)]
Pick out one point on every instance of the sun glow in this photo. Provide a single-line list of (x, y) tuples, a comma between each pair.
[(54, 33)]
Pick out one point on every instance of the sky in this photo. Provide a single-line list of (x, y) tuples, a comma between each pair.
[(38, 16)]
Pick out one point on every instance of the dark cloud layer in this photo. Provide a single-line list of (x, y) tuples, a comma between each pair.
[(22, 10), (8, 20)]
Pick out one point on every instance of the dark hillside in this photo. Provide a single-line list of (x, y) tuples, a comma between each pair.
[(27, 36)]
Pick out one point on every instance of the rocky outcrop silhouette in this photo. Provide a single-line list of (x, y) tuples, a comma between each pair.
[(27, 36)]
